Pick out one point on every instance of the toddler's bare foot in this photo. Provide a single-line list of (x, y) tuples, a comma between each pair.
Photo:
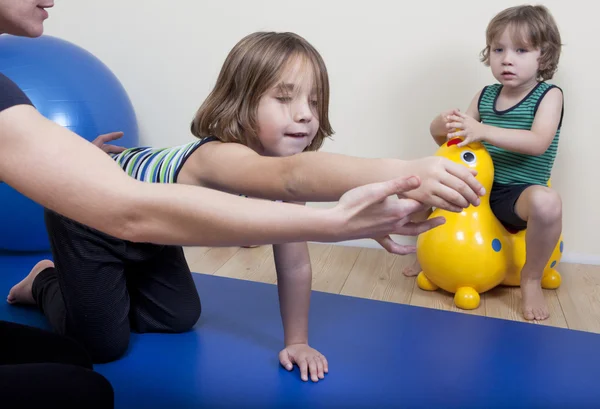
[(412, 270), (21, 292), (534, 304)]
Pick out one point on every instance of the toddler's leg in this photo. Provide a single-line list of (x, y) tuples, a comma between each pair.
[(415, 268), (541, 207)]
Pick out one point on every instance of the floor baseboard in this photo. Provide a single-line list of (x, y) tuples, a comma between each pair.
[(568, 257)]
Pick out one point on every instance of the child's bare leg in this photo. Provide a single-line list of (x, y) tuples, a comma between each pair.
[(541, 207), (415, 268)]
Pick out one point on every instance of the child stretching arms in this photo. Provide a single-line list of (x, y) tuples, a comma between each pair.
[(519, 121), (270, 103)]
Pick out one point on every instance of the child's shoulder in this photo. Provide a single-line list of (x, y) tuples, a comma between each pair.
[(544, 87), (546, 91), (490, 90), (486, 96), (495, 87), (549, 98)]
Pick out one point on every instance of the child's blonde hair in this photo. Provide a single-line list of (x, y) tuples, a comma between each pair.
[(250, 70), (537, 29)]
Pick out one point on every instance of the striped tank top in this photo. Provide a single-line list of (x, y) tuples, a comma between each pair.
[(156, 165), (512, 167)]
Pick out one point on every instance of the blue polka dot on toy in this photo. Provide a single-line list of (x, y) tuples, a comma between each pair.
[(496, 245), (553, 264), (561, 246)]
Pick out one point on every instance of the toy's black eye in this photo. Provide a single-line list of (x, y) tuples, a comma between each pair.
[(468, 157)]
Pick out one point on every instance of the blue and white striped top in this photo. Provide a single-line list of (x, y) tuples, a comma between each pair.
[(156, 165)]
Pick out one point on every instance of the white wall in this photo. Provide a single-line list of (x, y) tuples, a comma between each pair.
[(393, 66)]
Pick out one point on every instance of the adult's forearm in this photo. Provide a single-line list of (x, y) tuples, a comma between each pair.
[(188, 215)]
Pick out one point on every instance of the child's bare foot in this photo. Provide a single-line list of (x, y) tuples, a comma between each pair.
[(412, 270), (21, 292), (534, 304), (415, 268)]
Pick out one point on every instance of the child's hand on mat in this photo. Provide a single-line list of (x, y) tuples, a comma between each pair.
[(466, 127), (307, 359), (101, 142), (372, 211), (445, 184)]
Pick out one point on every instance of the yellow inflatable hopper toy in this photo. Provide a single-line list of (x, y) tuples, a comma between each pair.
[(473, 252)]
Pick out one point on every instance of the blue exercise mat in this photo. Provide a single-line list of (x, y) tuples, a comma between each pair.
[(381, 355)]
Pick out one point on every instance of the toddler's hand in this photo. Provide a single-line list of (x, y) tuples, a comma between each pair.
[(465, 126), (307, 359), (447, 114)]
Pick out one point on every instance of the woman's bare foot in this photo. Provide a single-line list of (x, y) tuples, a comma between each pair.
[(21, 293), (412, 270), (534, 305)]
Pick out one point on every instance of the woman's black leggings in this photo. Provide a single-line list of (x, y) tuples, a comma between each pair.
[(40, 369)]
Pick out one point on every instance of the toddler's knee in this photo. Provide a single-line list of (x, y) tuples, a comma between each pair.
[(547, 206)]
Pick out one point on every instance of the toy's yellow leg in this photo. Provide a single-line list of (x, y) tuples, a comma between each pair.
[(551, 280), (424, 283), (466, 298)]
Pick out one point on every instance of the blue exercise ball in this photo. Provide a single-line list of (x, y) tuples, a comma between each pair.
[(73, 88)]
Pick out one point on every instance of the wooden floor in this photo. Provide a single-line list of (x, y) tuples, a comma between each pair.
[(375, 274)]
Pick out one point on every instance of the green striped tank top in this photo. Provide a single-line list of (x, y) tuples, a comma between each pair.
[(512, 167)]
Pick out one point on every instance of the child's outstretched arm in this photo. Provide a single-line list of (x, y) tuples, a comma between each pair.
[(534, 142), (65, 173), (324, 177), (294, 279)]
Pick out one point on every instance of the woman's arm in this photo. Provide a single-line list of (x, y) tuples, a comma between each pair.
[(65, 173), (324, 177)]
